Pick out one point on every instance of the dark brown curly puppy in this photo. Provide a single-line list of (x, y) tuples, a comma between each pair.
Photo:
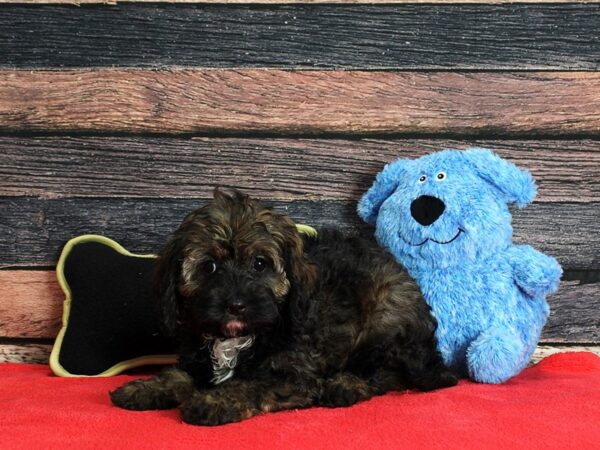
[(269, 319)]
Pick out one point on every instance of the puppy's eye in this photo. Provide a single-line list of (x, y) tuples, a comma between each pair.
[(259, 264), (440, 176), (209, 267), (422, 179)]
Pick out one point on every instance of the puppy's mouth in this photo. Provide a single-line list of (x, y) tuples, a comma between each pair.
[(458, 233), (234, 328)]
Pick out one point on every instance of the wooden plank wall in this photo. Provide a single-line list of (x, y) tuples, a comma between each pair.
[(118, 120)]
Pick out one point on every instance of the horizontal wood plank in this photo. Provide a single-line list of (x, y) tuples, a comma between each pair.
[(409, 36), (305, 102), (35, 229), (40, 353), (32, 304), (283, 2), (300, 169), (25, 353), (574, 313), (32, 308), (543, 351)]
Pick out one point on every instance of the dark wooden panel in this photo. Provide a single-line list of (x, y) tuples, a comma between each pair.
[(566, 171), (33, 229), (305, 102), (326, 36), (574, 313), (282, 2), (32, 308)]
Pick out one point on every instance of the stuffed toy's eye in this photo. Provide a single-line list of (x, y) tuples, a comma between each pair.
[(259, 264), (422, 179), (440, 176), (209, 267)]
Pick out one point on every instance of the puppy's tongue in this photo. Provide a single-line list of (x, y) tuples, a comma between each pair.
[(234, 328)]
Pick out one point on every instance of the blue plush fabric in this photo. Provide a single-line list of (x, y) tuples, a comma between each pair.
[(445, 217)]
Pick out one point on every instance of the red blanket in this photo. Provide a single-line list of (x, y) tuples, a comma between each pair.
[(555, 404)]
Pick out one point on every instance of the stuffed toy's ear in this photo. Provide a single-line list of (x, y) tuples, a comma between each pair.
[(385, 184), (516, 185)]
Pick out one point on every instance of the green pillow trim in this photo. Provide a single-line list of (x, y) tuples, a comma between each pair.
[(57, 354)]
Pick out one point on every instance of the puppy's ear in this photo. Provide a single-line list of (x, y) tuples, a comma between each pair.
[(297, 267), (385, 184), (166, 281), (302, 270), (515, 185)]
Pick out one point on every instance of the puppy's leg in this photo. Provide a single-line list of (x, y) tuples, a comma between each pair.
[(345, 389), (237, 400), (414, 353), (166, 390)]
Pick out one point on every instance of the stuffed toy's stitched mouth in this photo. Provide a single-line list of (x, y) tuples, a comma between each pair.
[(460, 230)]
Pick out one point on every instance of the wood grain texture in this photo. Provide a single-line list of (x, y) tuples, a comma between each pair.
[(40, 353), (574, 313), (283, 2), (25, 353), (32, 304), (543, 351), (32, 308), (309, 102), (308, 36), (299, 169), (34, 230)]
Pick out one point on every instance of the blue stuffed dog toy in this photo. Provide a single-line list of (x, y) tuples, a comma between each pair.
[(445, 217)]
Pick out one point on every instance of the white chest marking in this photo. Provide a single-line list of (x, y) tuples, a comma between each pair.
[(224, 356)]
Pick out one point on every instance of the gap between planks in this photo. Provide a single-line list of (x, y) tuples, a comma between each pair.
[(291, 2), (300, 102)]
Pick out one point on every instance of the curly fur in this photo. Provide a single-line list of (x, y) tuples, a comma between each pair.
[(330, 320), (445, 217)]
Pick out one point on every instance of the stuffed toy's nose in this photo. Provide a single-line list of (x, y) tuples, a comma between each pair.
[(427, 209)]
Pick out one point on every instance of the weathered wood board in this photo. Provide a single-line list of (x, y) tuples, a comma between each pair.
[(300, 102), (283, 169), (32, 304), (32, 308), (283, 2), (39, 353), (525, 36), (25, 353), (36, 229)]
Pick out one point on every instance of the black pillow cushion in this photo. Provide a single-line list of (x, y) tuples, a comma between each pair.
[(110, 319)]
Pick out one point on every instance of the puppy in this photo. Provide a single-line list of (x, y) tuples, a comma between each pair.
[(269, 319)]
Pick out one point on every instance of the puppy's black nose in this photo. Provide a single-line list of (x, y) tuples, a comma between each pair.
[(236, 307), (427, 209)]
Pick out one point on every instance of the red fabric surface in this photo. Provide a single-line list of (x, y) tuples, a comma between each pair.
[(555, 404)]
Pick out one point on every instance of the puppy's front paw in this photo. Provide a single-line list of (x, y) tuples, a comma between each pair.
[(344, 391), (438, 381), (339, 396), (210, 409), (140, 395)]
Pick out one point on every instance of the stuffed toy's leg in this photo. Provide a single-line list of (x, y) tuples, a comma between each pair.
[(496, 355)]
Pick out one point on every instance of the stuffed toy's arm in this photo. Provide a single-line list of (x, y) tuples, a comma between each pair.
[(535, 273)]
